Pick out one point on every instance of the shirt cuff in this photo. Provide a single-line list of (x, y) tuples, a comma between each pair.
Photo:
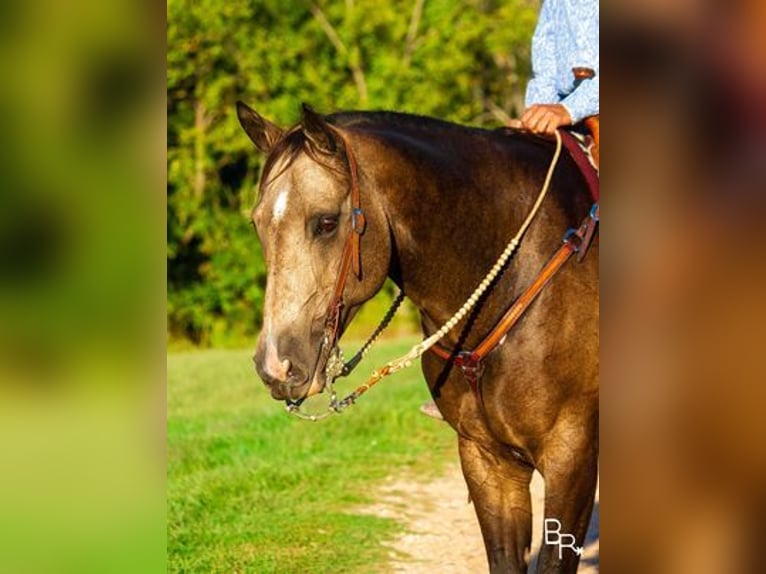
[(583, 102)]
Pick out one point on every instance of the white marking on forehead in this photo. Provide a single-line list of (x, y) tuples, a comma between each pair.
[(280, 205)]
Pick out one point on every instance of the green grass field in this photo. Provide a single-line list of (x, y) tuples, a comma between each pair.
[(252, 489)]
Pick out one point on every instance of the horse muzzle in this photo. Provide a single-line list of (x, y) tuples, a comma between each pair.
[(286, 381)]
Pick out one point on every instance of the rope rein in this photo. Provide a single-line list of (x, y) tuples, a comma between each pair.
[(335, 365), (361, 353)]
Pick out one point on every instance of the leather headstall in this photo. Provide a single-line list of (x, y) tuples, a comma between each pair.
[(351, 256)]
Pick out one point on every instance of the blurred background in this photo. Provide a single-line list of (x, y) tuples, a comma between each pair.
[(683, 277), (82, 170)]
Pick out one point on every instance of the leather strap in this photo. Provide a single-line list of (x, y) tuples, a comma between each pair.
[(358, 221), (514, 313), (579, 157), (582, 73), (575, 240), (524, 300), (351, 256)]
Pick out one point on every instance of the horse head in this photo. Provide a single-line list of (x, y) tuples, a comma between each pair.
[(303, 219)]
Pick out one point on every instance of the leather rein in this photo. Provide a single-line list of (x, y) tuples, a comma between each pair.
[(575, 240)]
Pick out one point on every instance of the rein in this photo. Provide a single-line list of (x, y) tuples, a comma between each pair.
[(335, 367)]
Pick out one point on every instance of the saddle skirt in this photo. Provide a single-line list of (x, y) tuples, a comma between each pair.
[(587, 145), (580, 147)]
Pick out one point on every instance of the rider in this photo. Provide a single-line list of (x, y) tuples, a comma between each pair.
[(563, 90), (565, 67)]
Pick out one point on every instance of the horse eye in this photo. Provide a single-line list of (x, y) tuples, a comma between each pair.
[(326, 224)]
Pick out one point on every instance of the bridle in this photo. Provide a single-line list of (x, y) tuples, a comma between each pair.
[(329, 352), (350, 258)]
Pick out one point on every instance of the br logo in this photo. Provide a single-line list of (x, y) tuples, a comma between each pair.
[(553, 535)]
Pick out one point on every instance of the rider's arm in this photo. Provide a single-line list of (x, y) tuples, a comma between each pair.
[(541, 89)]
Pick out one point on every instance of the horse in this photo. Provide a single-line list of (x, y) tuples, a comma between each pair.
[(437, 203)]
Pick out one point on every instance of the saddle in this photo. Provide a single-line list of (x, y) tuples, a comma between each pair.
[(583, 148), (590, 123)]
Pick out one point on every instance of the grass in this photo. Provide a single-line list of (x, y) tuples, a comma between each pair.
[(251, 489)]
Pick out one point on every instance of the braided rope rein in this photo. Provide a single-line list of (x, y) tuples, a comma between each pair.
[(419, 349)]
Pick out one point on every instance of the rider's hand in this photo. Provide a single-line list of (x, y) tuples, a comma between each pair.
[(545, 118)]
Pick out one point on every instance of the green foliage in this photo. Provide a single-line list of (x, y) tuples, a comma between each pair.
[(251, 489), (461, 60)]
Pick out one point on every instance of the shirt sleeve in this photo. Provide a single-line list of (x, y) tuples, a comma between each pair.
[(583, 101), (583, 22), (541, 89)]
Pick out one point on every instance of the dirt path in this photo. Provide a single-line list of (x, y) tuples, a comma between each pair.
[(443, 534)]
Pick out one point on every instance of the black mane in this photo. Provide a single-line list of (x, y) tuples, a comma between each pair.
[(397, 119), (294, 141)]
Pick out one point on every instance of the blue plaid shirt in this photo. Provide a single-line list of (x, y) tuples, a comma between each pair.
[(566, 37)]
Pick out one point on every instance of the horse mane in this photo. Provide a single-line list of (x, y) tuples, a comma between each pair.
[(294, 141), (413, 122), (391, 119)]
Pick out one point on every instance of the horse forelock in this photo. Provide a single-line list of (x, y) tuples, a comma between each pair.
[(289, 147), (284, 153)]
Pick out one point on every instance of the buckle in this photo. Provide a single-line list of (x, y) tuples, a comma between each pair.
[(358, 221), (569, 234), (584, 233), (473, 367)]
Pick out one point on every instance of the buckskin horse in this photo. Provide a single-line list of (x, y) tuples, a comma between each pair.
[(431, 204)]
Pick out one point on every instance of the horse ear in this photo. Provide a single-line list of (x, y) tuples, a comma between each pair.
[(318, 131), (261, 131)]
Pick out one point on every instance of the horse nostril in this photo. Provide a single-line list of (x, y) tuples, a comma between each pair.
[(276, 370), (270, 368), (285, 369), (295, 376)]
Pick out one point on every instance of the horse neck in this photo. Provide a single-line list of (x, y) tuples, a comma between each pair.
[(452, 205)]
